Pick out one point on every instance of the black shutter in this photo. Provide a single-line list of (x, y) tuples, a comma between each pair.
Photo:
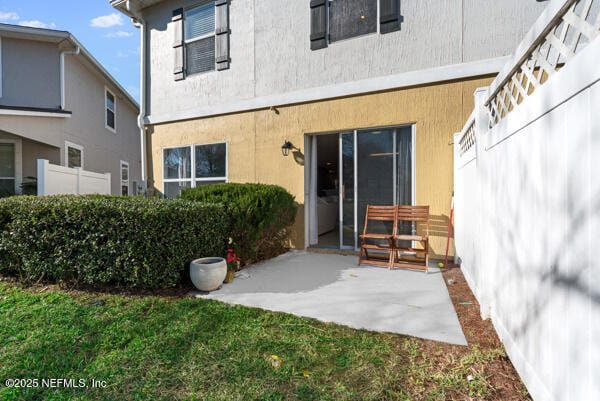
[(389, 16), (318, 24), (177, 22), (222, 34)]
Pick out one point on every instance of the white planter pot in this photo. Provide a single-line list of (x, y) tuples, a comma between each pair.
[(208, 274)]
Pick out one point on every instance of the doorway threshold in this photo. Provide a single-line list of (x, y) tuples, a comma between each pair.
[(332, 251)]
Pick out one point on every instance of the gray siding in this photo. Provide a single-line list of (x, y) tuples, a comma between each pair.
[(30, 74), (270, 48), (44, 137), (103, 149)]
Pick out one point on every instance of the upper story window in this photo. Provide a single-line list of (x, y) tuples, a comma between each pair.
[(110, 110), (334, 20), (351, 18), (201, 41), (199, 36)]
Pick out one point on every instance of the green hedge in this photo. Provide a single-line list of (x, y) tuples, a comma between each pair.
[(103, 240), (261, 216)]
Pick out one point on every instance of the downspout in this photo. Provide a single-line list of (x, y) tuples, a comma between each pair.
[(62, 73), (139, 22)]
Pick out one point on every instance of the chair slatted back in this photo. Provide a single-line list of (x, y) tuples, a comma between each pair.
[(413, 213), (416, 214), (379, 213)]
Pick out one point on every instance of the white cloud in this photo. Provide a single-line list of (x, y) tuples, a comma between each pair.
[(37, 24), (118, 34), (10, 16), (107, 21)]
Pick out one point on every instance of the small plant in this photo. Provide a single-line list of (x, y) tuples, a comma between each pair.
[(233, 261)]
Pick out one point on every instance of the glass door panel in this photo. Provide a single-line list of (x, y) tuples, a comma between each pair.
[(375, 173), (347, 227)]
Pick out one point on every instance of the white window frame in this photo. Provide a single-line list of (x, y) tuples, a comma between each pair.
[(192, 180), (74, 146), (18, 178), (198, 38), (124, 183), (108, 127)]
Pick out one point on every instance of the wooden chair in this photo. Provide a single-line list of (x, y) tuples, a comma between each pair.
[(418, 258), (383, 241)]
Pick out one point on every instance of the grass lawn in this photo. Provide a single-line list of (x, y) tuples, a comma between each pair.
[(152, 348)]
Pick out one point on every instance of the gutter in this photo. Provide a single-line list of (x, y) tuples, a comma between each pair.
[(140, 23), (62, 73)]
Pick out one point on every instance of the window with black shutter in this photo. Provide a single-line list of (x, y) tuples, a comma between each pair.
[(351, 18), (335, 20), (199, 37)]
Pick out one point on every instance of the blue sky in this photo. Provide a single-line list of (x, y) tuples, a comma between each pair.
[(106, 33)]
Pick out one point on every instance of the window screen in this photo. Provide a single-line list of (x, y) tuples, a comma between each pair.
[(351, 18), (199, 35), (201, 55)]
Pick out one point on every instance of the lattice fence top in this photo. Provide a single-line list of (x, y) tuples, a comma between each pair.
[(576, 26), (468, 138)]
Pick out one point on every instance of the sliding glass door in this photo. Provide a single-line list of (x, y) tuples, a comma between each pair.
[(376, 169)]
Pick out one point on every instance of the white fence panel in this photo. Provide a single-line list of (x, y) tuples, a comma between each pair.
[(527, 207), (60, 180)]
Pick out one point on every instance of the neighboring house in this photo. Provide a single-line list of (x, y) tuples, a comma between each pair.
[(58, 103), (363, 95)]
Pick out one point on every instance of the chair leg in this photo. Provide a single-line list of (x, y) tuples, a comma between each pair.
[(426, 247)]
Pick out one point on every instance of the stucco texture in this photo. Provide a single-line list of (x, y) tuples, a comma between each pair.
[(255, 140)]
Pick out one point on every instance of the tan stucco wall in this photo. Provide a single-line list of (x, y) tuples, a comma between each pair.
[(255, 140)]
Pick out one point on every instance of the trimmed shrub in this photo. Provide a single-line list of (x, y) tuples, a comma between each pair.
[(104, 240), (261, 216)]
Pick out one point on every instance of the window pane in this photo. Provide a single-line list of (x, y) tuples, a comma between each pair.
[(110, 119), (7, 160), (177, 163), (110, 101), (200, 56), (124, 190), (74, 157), (211, 160), (173, 189), (199, 21), (202, 183), (124, 172), (350, 18)]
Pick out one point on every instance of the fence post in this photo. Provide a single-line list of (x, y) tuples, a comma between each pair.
[(457, 200), (42, 168), (482, 240)]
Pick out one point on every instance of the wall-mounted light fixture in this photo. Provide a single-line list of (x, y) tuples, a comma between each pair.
[(286, 147)]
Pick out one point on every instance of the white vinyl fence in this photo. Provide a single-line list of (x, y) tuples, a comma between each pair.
[(55, 180), (527, 203)]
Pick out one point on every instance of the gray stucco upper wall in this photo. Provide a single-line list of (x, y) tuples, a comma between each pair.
[(30, 74), (103, 148), (270, 48)]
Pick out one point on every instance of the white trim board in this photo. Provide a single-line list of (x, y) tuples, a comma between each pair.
[(31, 113), (407, 79)]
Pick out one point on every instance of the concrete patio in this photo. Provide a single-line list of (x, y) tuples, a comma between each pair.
[(332, 288)]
